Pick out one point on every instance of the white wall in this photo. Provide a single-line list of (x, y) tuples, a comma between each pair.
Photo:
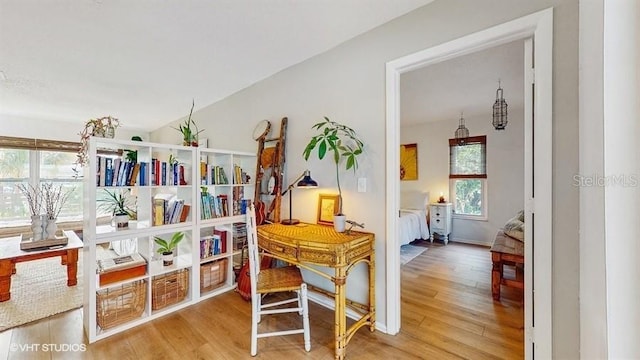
[(622, 205), (347, 84), (593, 319), (505, 170)]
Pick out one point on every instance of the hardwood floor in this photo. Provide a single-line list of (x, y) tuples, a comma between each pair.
[(447, 313)]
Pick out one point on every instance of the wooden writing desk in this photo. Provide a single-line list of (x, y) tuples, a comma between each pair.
[(305, 244), (10, 254)]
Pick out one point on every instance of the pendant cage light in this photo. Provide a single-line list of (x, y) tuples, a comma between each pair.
[(499, 110), (462, 133)]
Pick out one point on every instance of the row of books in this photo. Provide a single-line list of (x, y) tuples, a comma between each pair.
[(240, 176), (239, 235), (214, 206), (240, 204), (216, 175), (212, 175), (168, 209), (120, 172), (215, 244), (163, 173)]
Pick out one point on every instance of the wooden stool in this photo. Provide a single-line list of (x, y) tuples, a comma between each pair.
[(505, 251)]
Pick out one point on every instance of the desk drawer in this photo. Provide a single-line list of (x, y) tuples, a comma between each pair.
[(282, 250), (317, 256)]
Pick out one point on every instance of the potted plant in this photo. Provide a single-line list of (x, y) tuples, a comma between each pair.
[(132, 155), (102, 127), (120, 207), (166, 247), (345, 145), (189, 134)]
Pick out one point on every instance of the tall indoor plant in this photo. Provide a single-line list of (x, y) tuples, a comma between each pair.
[(345, 145)]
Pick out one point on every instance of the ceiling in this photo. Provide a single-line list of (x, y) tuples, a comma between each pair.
[(144, 61), (465, 84)]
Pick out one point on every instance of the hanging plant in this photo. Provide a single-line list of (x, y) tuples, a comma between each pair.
[(102, 127)]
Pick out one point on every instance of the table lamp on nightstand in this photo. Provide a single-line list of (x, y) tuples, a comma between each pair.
[(441, 198), (303, 181)]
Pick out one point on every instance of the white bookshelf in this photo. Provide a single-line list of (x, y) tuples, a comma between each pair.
[(141, 232)]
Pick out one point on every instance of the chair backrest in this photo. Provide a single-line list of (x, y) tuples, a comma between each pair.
[(252, 242)]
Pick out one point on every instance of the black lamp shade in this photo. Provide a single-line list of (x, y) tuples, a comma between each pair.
[(307, 181)]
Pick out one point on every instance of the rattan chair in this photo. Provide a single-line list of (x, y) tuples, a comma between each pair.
[(274, 280)]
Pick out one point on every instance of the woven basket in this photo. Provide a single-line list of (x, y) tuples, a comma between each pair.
[(213, 275), (169, 289), (117, 305)]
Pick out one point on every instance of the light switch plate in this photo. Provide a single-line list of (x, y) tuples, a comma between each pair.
[(362, 185)]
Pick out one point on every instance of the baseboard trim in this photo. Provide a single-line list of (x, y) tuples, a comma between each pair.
[(471, 242)]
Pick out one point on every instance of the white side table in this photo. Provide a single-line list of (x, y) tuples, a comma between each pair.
[(440, 220)]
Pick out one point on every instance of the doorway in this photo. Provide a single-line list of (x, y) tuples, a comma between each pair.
[(538, 29)]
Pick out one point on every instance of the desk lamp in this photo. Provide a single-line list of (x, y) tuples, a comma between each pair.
[(303, 181)]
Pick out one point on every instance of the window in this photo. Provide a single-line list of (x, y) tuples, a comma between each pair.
[(468, 177), (15, 171), (28, 161)]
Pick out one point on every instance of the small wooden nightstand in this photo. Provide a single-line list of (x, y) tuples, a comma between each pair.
[(440, 220)]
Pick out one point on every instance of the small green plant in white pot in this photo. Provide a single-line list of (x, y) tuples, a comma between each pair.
[(166, 248), (346, 147)]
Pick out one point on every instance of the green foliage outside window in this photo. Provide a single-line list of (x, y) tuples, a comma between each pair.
[(468, 196)]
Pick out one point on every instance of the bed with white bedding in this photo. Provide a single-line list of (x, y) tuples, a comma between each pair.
[(413, 216)]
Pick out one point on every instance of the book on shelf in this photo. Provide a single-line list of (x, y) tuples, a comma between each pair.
[(168, 209), (102, 172), (239, 176), (133, 177), (212, 245), (203, 173), (108, 172), (120, 263), (163, 174), (155, 172), (116, 169), (184, 214), (222, 234), (143, 174), (158, 212), (121, 268)]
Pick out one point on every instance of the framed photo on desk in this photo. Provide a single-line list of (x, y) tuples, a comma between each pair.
[(328, 205)]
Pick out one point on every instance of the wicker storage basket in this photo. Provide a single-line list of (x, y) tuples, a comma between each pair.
[(169, 289), (117, 305), (213, 274)]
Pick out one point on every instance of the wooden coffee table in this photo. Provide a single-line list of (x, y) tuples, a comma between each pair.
[(10, 254)]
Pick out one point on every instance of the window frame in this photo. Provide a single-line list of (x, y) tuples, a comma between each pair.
[(484, 216), (482, 176), (35, 148)]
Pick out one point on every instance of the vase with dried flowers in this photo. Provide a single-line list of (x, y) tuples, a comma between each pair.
[(101, 127), (34, 200), (54, 197)]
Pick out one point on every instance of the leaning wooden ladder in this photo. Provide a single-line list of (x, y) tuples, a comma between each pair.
[(270, 171)]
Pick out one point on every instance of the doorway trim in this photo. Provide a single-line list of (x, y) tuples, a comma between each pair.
[(538, 160)]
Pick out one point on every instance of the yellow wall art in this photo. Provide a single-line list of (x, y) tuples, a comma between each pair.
[(409, 162)]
